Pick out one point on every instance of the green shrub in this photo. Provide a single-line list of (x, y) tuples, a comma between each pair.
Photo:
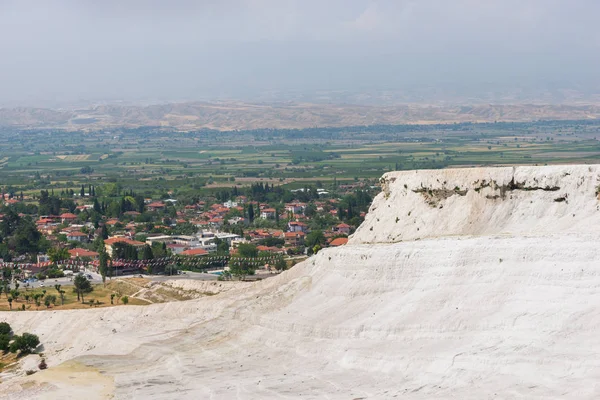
[(5, 328), (4, 342), (55, 273), (24, 344)]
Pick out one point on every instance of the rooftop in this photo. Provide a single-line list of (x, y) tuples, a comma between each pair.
[(78, 252), (338, 241), (113, 240), (194, 252)]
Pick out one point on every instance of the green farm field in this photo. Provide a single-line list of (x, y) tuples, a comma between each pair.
[(153, 160)]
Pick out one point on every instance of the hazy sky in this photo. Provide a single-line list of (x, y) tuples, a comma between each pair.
[(54, 51)]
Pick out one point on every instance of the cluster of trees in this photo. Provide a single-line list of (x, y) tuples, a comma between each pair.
[(262, 192), (351, 205), (23, 344), (117, 207), (49, 204), (52, 272), (11, 192), (19, 236), (58, 254), (242, 264), (272, 242), (126, 251)]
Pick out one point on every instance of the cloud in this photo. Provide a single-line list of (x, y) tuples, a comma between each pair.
[(187, 48)]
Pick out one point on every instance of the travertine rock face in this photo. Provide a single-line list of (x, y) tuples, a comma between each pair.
[(497, 299), (482, 201)]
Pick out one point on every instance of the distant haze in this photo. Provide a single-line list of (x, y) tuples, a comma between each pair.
[(64, 52)]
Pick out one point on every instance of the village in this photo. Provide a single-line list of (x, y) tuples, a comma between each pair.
[(153, 237)]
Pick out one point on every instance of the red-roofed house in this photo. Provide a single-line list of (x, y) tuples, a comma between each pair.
[(78, 253), (67, 217), (222, 210), (338, 242), (260, 234), (295, 226), (293, 238), (216, 222), (155, 206), (77, 236), (176, 248), (295, 208), (200, 224), (45, 221), (342, 228), (271, 249), (194, 252), (108, 243)]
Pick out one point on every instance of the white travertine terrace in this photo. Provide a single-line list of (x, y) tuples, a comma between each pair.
[(484, 201), (465, 283)]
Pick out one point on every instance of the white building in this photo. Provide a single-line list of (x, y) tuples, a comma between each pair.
[(228, 237), (230, 204), (205, 240), (237, 220), (185, 240), (268, 213), (77, 236)]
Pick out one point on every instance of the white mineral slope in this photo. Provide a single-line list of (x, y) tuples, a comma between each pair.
[(479, 201), (505, 310)]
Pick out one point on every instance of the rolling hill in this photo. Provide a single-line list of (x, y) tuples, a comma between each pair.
[(237, 115)]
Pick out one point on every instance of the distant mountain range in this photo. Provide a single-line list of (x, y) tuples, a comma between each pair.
[(240, 115)]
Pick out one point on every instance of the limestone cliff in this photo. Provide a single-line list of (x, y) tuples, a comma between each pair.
[(483, 201)]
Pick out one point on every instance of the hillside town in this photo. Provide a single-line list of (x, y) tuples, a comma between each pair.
[(134, 234)]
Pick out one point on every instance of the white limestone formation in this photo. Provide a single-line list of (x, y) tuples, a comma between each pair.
[(462, 283)]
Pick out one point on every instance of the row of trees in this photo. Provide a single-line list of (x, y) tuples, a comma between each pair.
[(13, 295), (263, 192)]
